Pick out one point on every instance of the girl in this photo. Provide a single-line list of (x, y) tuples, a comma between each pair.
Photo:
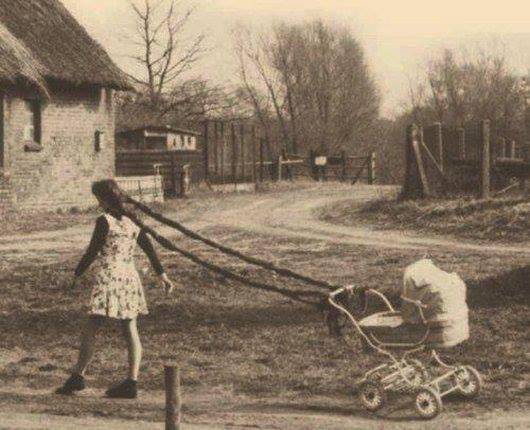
[(117, 292)]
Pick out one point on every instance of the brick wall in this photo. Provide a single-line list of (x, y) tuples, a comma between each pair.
[(61, 173)]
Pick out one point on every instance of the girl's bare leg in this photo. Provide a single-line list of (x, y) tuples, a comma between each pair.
[(87, 344), (134, 347)]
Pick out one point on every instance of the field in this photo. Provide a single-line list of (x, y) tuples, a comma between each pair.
[(248, 358)]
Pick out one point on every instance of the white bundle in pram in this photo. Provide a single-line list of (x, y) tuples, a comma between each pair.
[(444, 297)]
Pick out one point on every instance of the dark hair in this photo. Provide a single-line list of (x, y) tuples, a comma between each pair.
[(108, 191)]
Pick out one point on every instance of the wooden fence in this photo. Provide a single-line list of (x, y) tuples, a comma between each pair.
[(477, 158), (168, 164), (146, 189)]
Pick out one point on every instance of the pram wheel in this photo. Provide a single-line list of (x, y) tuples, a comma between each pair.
[(428, 403), (373, 396), (469, 381)]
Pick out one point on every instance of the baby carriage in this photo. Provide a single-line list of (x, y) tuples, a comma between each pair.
[(433, 316)]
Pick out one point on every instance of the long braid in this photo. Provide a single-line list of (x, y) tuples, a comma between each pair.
[(301, 296)]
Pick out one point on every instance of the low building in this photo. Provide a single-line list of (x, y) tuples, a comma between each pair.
[(56, 108), (157, 138)]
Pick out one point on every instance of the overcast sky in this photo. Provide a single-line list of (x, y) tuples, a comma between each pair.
[(398, 35)]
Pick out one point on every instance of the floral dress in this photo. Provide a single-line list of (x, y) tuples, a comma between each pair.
[(117, 291)]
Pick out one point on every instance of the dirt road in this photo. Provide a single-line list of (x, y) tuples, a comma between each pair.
[(287, 214)]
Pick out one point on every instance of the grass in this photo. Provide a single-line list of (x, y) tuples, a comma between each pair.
[(242, 342), (503, 219)]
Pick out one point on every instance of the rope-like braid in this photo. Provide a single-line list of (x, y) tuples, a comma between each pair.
[(252, 260), (300, 296)]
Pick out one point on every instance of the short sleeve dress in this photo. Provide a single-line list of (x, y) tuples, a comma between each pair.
[(117, 291)]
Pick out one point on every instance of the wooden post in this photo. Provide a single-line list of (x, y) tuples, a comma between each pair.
[(343, 161), (371, 169), (242, 142), (261, 142), (253, 142), (173, 399), (462, 143), (439, 145), (173, 162), (223, 144), (234, 153), (502, 144), (485, 159), (415, 182), (270, 159), (206, 154), (513, 153), (280, 168), (216, 147), (312, 166)]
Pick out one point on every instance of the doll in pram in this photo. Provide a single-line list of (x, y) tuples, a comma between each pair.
[(433, 315)]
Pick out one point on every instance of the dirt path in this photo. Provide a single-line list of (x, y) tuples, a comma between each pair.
[(205, 411), (287, 214), (293, 214)]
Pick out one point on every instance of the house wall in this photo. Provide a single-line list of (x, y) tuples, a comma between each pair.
[(60, 175)]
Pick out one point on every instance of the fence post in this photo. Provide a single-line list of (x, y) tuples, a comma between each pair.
[(485, 159), (206, 153), (462, 143), (502, 144), (513, 153), (242, 141), (173, 400), (261, 159), (280, 168), (312, 167), (371, 169), (173, 173), (223, 144), (253, 141), (343, 160), (234, 152), (216, 147), (415, 183), (440, 144)]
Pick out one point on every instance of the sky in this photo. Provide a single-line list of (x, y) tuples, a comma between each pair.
[(399, 36)]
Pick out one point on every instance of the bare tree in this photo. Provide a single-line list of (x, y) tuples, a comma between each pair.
[(466, 87), (164, 54), (317, 83)]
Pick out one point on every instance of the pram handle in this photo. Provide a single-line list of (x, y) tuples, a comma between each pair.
[(352, 288), (349, 288)]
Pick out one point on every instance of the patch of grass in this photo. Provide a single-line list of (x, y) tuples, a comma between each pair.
[(505, 219), (252, 343)]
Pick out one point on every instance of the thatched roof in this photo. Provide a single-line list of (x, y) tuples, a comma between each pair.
[(42, 43)]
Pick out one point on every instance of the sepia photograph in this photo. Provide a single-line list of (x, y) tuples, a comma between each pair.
[(264, 214)]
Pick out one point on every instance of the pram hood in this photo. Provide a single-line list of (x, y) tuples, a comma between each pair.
[(443, 294)]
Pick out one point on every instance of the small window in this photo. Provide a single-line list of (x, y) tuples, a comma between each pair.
[(32, 128)]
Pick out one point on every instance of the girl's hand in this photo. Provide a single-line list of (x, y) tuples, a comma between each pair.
[(168, 284)]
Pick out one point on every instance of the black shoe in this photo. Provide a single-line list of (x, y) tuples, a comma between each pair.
[(73, 383), (126, 390)]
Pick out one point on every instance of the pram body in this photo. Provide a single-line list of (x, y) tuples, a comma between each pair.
[(398, 339)]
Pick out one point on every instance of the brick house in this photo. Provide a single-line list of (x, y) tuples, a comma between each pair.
[(56, 108)]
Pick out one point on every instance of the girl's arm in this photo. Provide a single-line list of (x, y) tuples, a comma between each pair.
[(96, 243), (145, 243)]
